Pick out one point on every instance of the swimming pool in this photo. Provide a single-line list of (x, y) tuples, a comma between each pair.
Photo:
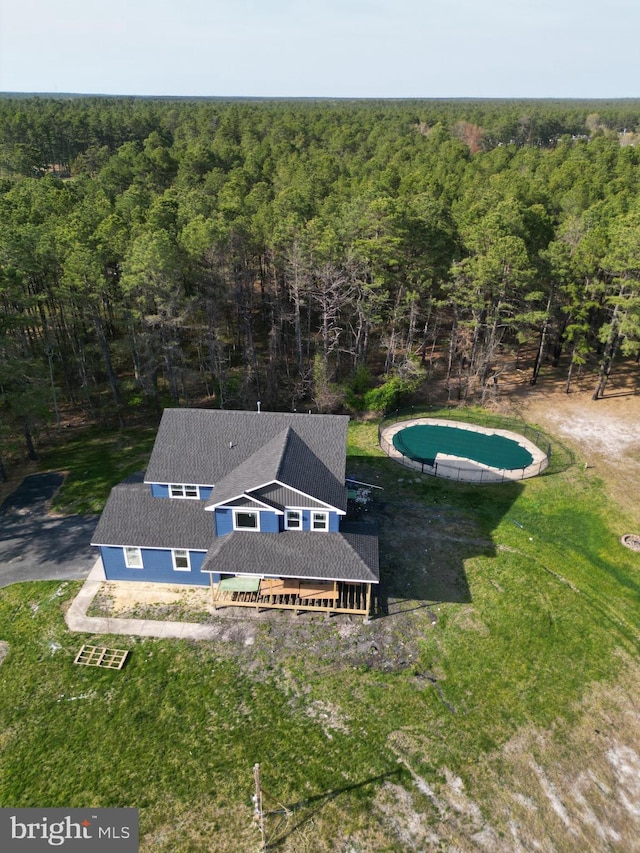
[(462, 451), (423, 443)]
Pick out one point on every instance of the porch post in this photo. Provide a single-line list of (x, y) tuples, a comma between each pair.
[(368, 616)]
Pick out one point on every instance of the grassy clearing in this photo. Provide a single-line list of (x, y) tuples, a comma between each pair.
[(511, 620), (95, 459)]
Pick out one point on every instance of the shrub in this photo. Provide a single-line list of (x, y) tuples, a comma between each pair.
[(390, 394)]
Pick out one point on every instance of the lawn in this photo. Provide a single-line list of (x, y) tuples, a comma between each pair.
[(95, 459), (504, 648)]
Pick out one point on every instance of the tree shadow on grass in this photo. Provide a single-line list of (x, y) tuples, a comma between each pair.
[(284, 821), (429, 528)]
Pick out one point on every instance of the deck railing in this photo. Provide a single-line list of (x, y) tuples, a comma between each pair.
[(353, 598)]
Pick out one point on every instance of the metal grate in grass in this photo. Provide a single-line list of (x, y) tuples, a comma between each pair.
[(101, 656)]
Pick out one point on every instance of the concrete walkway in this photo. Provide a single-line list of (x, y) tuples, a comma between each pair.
[(77, 619)]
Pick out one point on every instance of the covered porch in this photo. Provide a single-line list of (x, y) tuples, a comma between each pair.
[(295, 570), (297, 594)]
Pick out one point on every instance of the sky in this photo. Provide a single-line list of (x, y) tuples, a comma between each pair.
[(327, 48)]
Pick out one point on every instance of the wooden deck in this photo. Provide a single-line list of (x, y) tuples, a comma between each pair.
[(338, 597)]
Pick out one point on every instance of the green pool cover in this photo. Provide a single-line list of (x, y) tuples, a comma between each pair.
[(423, 442)]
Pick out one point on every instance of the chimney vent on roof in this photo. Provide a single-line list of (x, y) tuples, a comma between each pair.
[(258, 404)]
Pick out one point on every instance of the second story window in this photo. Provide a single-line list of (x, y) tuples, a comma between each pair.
[(246, 519), (319, 520), (177, 490), (293, 519)]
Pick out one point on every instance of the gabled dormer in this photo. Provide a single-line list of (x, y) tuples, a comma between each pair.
[(282, 486)]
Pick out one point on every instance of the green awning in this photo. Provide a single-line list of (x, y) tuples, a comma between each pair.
[(236, 584)]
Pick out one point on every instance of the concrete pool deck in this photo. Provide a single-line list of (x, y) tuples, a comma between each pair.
[(462, 469)]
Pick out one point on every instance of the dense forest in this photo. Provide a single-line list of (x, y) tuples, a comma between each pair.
[(325, 255)]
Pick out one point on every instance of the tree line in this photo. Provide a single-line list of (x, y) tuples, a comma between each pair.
[(307, 253)]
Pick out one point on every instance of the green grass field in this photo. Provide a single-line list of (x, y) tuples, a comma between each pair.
[(507, 638), (95, 459)]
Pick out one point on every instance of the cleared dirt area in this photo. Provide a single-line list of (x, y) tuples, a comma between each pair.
[(604, 433), (138, 600)]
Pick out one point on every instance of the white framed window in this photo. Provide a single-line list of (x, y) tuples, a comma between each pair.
[(293, 519), (246, 519), (181, 560), (179, 490), (319, 520), (133, 558)]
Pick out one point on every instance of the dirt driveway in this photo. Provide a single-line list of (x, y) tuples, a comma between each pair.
[(35, 545)]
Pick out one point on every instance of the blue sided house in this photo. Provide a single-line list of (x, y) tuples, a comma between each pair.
[(252, 504)]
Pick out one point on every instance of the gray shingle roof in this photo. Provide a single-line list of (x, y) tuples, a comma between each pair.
[(302, 469), (192, 445), (286, 459), (259, 468), (303, 452), (351, 556), (133, 517), (280, 497)]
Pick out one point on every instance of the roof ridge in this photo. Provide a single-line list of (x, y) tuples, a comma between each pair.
[(285, 447)]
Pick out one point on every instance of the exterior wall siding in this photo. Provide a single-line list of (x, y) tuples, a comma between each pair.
[(269, 522), (158, 567), (205, 492), (224, 521)]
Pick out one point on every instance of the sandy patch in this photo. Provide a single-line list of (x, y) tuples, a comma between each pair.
[(604, 433), (123, 596), (608, 428)]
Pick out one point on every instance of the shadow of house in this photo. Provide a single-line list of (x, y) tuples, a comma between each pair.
[(428, 530)]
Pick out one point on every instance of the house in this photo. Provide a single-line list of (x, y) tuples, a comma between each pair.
[(252, 504)]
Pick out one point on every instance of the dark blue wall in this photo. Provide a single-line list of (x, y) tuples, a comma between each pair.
[(224, 522), (205, 492), (269, 522), (158, 567)]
